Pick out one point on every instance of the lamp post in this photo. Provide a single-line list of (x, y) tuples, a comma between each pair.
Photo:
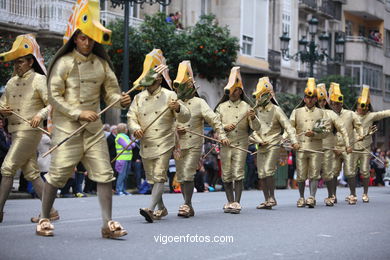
[(309, 51), (126, 5)]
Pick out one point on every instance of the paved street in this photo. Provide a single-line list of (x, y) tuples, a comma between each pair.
[(286, 232)]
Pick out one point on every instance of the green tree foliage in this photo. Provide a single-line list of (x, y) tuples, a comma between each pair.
[(346, 85), (6, 68), (288, 102), (210, 48)]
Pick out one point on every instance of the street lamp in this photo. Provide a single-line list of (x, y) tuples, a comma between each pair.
[(126, 4), (307, 50)]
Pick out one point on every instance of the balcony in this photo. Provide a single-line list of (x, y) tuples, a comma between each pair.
[(358, 48), (109, 16), (274, 58), (372, 10), (330, 9), (308, 4)]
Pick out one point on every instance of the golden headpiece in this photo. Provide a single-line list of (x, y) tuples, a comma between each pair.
[(321, 92), (335, 94), (24, 45), (86, 18), (364, 98), (234, 82), (310, 89)]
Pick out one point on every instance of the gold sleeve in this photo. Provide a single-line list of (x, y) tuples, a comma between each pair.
[(288, 125), (132, 119), (184, 114), (41, 87), (380, 115), (357, 124), (111, 90), (56, 90), (338, 124), (212, 119)]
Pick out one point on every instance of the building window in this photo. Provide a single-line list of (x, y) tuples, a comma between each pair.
[(387, 43), (387, 88), (365, 73), (247, 43), (204, 7)]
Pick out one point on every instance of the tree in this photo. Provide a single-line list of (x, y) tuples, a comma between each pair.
[(6, 68), (288, 102), (210, 48), (346, 86)]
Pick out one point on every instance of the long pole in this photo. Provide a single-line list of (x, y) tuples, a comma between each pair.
[(125, 71), (312, 55)]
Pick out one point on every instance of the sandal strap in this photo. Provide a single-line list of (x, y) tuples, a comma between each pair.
[(114, 226)]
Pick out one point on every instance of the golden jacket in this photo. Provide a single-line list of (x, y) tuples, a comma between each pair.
[(76, 83), (27, 96), (367, 120), (351, 123), (303, 119), (273, 121), (230, 113), (330, 140), (159, 138), (200, 112)]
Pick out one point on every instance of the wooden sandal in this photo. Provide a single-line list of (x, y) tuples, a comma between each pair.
[(44, 228), (114, 230)]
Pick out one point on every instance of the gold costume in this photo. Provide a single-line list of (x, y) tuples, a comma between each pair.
[(308, 163), (191, 145), (273, 122), (233, 160), (76, 84), (27, 96), (329, 142), (367, 121), (159, 138), (351, 122)]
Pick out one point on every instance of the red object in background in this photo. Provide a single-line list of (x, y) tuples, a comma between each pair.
[(219, 168)]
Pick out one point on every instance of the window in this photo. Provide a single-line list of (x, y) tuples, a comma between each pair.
[(365, 73), (204, 7), (247, 43), (387, 43), (387, 87)]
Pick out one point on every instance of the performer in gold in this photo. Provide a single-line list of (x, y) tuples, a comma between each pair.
[(269, 137), (79, 76), (191, 145), (25, 94), (329, 142), (309, 160), (343, 153), (365, 112), (237, 118), (157, 137)]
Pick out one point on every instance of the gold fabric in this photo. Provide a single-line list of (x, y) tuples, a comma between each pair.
[(351, 123), (156, 168), (190, 144), (367, 121), (232, 159), (188, 163), (303, 119), (273, 122), (144, 109), (77, 83), (22, 155), (89, 148), (348, 161), (27, 96), (200, 112), (308, 163), (267, 162), (308, 166), (364, 165), (327, 172)]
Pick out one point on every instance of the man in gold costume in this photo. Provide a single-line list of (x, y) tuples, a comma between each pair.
[(25, 94), (79, 76), (343, 153), (151, 119), (269, 138), (367, 117), (237, 118), (309, 158), (329, 142), (191, 145)]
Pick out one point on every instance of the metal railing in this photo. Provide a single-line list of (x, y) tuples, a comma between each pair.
[(331, 9), (107, 17), (352, 38), (274, 58), (309, 3)]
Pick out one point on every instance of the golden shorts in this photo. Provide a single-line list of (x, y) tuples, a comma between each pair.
[(308, 166), (233, 164), (267, 162), (156, 169), (187, 165), (348, 160)]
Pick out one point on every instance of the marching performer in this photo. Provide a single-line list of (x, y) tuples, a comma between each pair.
[(309, 158), (343, 153), (190, 144), (366, 115), (26, 95), (79, 76), (154, 126), (329, 142), (273, 122), (237, 117)]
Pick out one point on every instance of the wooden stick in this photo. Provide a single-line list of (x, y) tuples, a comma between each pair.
[(372, 154), (124, 149), (212, 148), (84, 125), (28, 122), (290, 147), (216, 140), (147, 127)]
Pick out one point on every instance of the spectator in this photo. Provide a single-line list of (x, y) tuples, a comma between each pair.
[(137, 166), (171, 174), (386, 178), (170, 18), (4, 142), (79, 179), (291, 184), (379, 168), (199, 177), (106, 129), (211, 162), (43, 147), (176, 20), (251, 174), (112, 151), (123, 162)]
